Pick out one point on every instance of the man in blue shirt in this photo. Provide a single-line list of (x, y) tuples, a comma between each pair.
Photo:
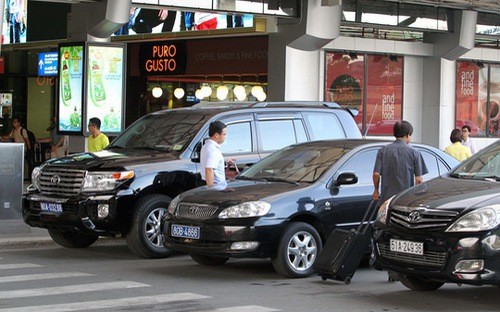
[(399, 164), (211, 158)]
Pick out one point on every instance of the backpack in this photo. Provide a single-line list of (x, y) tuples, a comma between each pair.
[(31, 137)]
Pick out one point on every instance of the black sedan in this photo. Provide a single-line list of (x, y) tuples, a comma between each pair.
[(446, 230), (285, 206)]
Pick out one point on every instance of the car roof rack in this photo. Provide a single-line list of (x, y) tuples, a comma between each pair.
[(296, 103)]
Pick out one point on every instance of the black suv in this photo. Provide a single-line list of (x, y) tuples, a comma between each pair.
[(126, 189)]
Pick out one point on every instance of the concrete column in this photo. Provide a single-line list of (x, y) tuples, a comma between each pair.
[(97, 21), (438, 108), (295, 51)]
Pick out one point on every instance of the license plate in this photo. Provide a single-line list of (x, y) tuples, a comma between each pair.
[(409, 247), (52, 207), (185, 231)]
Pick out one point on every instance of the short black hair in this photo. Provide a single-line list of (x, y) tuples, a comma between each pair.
[(466, 127), (402, 129), (456, 135), (216, 127), (95, 121)]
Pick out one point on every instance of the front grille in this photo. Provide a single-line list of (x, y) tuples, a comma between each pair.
[(429, 258), (421, 217), (195, 211), (61, 182)]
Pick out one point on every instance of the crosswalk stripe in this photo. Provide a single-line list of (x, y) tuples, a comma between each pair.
[(248, 308), (37, 277), (110, 303), (9, 294), (19, 266)]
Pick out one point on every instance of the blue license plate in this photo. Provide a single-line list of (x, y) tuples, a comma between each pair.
[(185, 231), (52, 207)]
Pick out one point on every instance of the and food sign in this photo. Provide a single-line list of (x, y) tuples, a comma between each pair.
[(105, 86), (70, 88), (163, 58)]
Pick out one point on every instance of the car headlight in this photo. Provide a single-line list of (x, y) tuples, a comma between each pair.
[(482, 219), (382, 211), (35, 177), (246, 210), (173, 204), (105, 180)]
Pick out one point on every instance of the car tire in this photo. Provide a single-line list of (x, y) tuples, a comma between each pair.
[(209, 260), (419, 284), (298, 249), (72, 239), (145, 238)]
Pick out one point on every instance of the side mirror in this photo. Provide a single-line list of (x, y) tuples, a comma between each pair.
[(346, 178)]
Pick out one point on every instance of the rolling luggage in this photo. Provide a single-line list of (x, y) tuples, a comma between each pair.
[(344, 250)]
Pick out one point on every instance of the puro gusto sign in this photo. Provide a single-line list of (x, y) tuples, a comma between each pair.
[(165, 58)]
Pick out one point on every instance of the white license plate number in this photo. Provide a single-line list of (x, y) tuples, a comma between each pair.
[(52, 207), (409, 247), (184, 231)]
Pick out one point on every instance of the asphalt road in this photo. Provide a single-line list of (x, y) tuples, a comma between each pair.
[(107, 277)]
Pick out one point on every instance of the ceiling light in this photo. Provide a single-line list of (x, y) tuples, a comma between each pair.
[(222, 92), (157, 92), (179, 93), (239, 92), (199, 94), (256, 91), (207, 91)]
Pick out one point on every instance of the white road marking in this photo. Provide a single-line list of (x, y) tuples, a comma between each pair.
[(248, 308), (110, 303), (37, 277), (23, 293), (19, 266)]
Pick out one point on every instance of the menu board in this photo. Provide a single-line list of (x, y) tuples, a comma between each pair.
[(105, 86), (70, 86)]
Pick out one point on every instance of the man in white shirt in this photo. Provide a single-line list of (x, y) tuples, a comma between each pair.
[(211, 158), (466, 140)]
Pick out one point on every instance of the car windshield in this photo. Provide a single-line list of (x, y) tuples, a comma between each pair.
[(300, 163), (484, 165), (170, 131)]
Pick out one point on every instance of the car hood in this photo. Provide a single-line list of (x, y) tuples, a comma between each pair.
[(238, 192), (450, 193), (112, 159)]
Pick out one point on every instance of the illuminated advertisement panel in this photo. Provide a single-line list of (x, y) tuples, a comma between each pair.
[(478, 98), (70, 88), (105, 81), (378, 98)]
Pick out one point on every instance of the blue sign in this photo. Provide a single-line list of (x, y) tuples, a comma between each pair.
[(47, 63)]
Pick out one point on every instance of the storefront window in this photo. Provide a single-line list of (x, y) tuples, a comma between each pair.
[(378, 98), (478, 98)]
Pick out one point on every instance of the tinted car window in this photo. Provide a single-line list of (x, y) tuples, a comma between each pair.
[(324, 126), (239, 138), (276, 134), (485, 165), (362, 165), (171, 131), (432, 165), (300, 131), (297, 164)]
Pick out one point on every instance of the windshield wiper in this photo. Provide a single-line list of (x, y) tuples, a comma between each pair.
[(149, 148), (493, 177), (274, 179)]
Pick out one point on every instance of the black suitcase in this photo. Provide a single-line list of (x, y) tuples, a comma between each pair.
[(344, 250)]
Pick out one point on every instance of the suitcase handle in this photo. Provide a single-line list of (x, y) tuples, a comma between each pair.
[(365, 223)]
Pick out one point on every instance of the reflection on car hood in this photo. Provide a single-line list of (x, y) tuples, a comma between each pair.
[(450, 193), (121, 158), (238, 192)]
